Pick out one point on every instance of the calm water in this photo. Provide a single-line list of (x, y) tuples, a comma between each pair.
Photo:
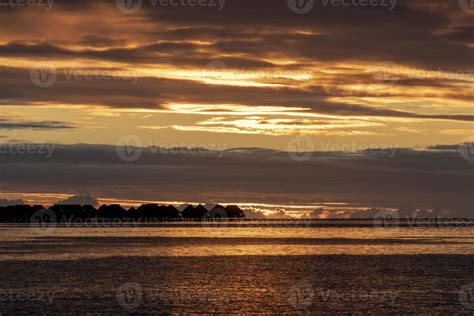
[(233, 239), (237, 268)]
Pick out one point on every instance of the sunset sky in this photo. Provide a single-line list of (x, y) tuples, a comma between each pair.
[(241, 74)]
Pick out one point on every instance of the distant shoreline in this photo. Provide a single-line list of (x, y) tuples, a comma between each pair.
[(230, 215), (246, 222)]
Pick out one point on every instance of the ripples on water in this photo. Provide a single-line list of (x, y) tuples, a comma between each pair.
[(251, 267), (229, 239)]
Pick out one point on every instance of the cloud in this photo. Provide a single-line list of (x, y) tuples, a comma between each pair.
[(425, 179), (279, 214), (316, 214), (323, 73), (14, 125), (411, 130), (457, 132), (254, 214), (160, 93), (82, 198), (6, 202), (312, 61), (445, 147), (277, 127)]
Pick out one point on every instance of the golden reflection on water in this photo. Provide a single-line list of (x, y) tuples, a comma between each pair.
[(59, 243)]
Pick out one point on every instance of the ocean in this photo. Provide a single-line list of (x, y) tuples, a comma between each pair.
[(274, 267)]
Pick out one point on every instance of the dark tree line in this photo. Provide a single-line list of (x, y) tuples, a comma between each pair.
[(67, 213)]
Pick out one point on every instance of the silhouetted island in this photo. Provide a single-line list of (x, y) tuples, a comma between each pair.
[(149, 212)]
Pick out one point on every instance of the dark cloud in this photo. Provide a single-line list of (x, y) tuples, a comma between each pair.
[(445, 147), (432, 180), (12, 125), (186, 54), (429, 34), (6, 202), (408, 35), (154, 92), (246, 35)]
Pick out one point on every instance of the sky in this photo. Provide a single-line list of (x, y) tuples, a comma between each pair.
[(363, 79)]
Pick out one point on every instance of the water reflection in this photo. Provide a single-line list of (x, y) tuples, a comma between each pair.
[(252, 239)]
